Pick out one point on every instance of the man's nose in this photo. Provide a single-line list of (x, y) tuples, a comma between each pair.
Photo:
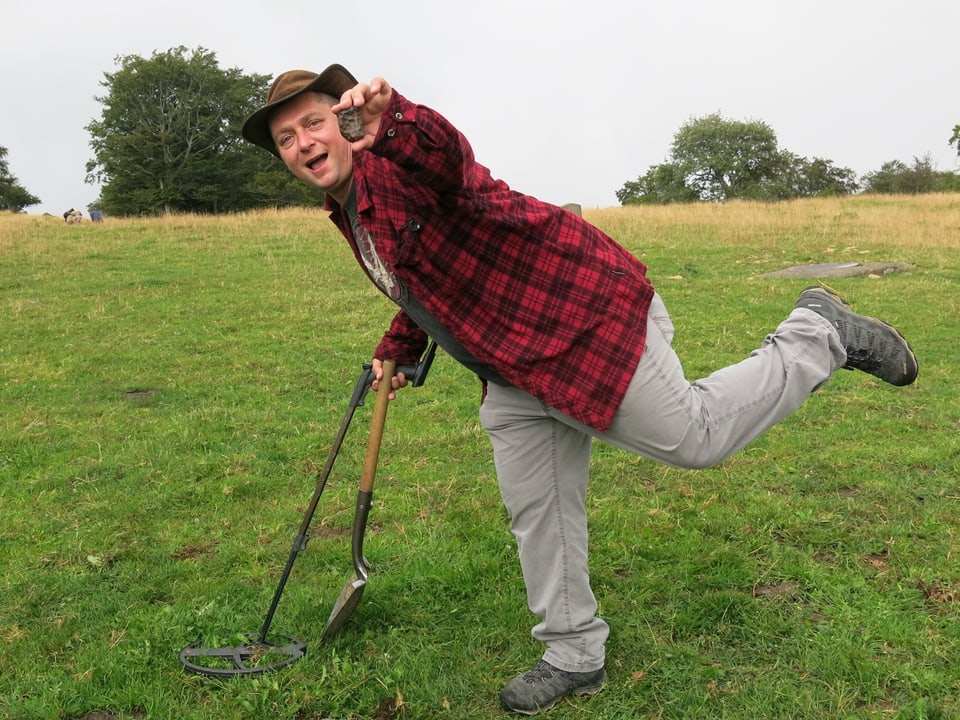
[(305, 141)]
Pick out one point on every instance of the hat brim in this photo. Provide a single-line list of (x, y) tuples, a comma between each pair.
[(333, 81)]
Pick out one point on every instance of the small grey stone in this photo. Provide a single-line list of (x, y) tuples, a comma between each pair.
[(351, 123)]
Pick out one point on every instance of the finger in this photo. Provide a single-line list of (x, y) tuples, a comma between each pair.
[(344, 103), (362, 144), (376, 366), (362, 92), (353, 96), (378, 86)]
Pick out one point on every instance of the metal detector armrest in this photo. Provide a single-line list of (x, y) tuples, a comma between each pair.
[(416, 374)]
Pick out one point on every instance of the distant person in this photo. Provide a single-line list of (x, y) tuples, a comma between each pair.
[(95, 215), (73, 217), (67, 215), (560, 323)]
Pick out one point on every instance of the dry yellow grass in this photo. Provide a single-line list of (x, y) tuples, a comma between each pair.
[(916, 222)]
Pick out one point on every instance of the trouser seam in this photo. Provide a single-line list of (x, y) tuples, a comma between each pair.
[(561, 527), (562, 535)]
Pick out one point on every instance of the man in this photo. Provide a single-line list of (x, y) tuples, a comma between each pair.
[(559, 322)]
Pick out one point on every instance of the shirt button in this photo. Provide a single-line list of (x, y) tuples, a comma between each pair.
[(399, 116), (391, 132)]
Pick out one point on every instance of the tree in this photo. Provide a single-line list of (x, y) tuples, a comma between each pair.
[(13, 196), (955, 138), (896, 177), (663, 184), (824, 179), (888, 179), (725, 159), (801, 177), (716, 159), (168, 139)]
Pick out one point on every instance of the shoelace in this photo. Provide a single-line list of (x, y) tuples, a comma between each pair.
[(862, 346), (541, 671), (862, 359)]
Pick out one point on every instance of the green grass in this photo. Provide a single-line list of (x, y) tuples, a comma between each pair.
[(170, 389)]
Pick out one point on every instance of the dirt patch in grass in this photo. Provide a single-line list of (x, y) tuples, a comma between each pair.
[(788, 590), (938, 593), (390, 708), (192, 552)]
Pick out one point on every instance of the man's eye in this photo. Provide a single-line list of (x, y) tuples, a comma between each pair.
[(313, 123), (285, 140)]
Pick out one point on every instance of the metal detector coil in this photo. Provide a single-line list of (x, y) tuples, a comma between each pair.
[(249, 658)]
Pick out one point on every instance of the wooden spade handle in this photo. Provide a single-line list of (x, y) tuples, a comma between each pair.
[(376, 427)]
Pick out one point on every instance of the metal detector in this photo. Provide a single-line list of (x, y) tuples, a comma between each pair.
[(255, 654)]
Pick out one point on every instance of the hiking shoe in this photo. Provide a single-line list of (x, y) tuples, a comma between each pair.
[(871, 344), (544, 686)]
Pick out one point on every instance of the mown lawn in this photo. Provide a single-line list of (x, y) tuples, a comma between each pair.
[(171, 387)]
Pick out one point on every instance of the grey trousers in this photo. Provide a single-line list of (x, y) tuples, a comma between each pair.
[(542, 456)]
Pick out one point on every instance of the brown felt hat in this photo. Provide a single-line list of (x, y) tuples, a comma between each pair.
[(334, 81)]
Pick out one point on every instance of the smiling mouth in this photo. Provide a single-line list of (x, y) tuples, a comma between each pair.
[(317, 161)]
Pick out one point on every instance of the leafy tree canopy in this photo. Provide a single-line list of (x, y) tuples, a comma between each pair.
[(715, 159), (724, 159), (13, 196), (168, 139), (897, 178)]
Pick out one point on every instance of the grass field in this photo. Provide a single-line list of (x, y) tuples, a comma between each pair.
[(170, 388)]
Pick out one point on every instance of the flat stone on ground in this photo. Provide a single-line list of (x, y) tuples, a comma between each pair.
[(839, 270)]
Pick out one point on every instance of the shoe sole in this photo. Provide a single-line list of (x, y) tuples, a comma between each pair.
[(580, 692)]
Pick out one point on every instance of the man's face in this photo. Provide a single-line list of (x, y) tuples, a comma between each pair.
[(308, 139)]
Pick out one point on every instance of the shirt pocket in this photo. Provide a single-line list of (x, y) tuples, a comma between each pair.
[(409, 245)]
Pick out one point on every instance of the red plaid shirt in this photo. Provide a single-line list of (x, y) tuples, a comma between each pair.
[(554, 305)]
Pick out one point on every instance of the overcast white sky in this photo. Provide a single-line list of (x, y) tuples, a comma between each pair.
[(564, 99)]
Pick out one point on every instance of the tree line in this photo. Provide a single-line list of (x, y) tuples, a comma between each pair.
[(714, 159), (168, 140)]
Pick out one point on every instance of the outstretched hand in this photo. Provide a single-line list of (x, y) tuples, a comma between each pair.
[(372, 98)]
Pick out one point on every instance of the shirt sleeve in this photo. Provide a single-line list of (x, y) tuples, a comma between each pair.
[(423, 142), (404, 341)]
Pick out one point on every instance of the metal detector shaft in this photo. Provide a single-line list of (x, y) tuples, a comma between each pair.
[(300, 541)]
